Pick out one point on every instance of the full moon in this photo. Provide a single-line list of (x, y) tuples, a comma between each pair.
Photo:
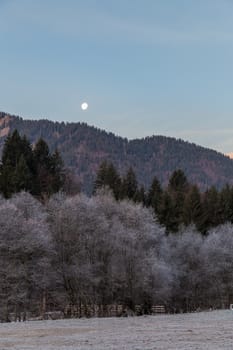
[(84, 106)]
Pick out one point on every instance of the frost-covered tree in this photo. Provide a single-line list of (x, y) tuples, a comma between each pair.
[(103, 249), (218, 266), (24, 248), (98, 251), (186, 262), (70, 229)]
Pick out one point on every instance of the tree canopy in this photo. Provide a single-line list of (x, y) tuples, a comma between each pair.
[(178, 204), (28, 168)]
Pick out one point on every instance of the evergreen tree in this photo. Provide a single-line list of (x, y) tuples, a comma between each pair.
[(12, 149), (41, 154), (7, 187), (17, 165), (154, 195), (140, 196), (211, 209), (22, 176), (35, 171), (192, 210), (57, 171), (107, 176), (129, 185), (167, 213), (178, 182), (177, 189), (48, 170), (226, 204), (101, 176)]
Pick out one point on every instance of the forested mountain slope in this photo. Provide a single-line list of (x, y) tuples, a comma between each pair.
[(84, 147)]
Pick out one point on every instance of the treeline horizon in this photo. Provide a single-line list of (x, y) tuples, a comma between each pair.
[(84, 147), (177, 205), (33, 168)]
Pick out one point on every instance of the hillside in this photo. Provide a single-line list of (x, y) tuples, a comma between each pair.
[(84, 147)]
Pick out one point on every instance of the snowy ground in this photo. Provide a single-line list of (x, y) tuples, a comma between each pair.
[(206, 330)]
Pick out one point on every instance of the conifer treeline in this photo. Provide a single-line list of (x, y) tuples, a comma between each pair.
[(31, 169), (35, 170), (179, 204)]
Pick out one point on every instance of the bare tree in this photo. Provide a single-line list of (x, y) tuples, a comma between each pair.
[(24, 244)]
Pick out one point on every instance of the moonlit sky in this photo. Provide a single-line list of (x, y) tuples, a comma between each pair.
[(143, 66)]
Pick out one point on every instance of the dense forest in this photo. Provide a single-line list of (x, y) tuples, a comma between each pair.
[(175, 206), (123, 246), (32, 169), (83, 148), (75, 252)]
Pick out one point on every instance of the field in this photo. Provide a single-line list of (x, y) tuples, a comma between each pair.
[(205, 330)]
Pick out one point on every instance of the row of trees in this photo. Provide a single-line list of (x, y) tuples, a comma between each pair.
[(98, 251), (179, 204), (112, 248), (28, 168), (36, 170)]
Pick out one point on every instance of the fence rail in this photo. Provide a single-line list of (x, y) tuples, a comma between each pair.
[(82, 310)]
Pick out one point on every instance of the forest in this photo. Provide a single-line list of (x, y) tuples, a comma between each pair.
[(177, 205), (83, 148), (98, 251), (123, 245)]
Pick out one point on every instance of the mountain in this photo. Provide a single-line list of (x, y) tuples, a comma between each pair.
[(84, 147)]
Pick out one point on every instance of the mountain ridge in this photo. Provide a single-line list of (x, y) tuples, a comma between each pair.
[(84, 147)]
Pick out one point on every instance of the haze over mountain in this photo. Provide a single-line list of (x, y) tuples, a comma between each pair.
[(84, 147)]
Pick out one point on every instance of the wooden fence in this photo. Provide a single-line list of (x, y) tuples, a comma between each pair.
[(79, 311)]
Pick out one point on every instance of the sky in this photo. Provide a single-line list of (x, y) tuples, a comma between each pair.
[(145, 67)]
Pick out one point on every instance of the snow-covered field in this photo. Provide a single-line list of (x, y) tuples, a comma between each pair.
[(206, 330)]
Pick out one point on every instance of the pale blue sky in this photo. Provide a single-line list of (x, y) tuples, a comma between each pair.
[(144, 66)]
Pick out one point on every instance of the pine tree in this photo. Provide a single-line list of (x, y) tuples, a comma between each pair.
[(211, 209), (57, 171), (192, 209), (7, 187), (167, 213), (12, 149), (101, 176), (35, 171), (154, 195), (107, 176), (48, 170), (178, 182), (177, 189), (16, 170), (226, 204), (22, 176), (140, 196), (129, 185)]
